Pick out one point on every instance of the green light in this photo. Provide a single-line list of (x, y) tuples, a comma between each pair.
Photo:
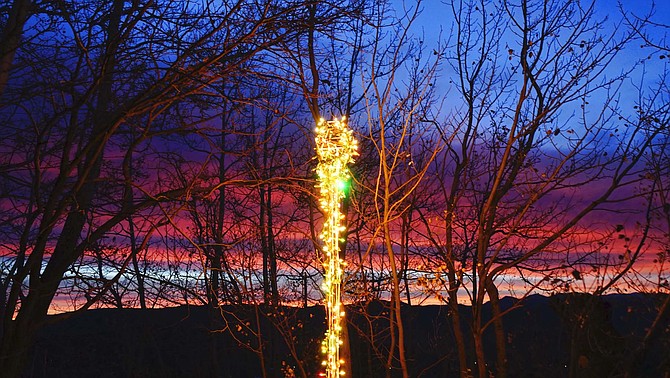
[(343, 185)]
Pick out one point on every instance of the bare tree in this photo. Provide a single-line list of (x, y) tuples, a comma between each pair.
[(89, 69), (159, 153), (521, 69), (396, 114)]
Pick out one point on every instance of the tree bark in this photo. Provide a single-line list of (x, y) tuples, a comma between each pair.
[(11, 38), (479, 351), (501, 346), (396, 303)]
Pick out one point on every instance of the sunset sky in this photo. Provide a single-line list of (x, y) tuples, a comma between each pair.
[(168, 153), (261, 160)]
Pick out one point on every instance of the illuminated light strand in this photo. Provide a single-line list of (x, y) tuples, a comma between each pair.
[(335, 149)]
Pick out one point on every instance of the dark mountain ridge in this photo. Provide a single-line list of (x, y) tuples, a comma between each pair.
[(547, 337)]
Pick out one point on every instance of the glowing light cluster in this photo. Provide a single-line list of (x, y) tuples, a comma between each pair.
[(335, 149)]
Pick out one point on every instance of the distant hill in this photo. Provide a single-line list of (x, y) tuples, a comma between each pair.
[(547, 337)]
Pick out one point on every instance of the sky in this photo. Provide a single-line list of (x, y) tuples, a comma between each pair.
[(433, 13), (435, 22), (433, 19)]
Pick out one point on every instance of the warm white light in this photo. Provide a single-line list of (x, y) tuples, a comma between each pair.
[(335, 149)]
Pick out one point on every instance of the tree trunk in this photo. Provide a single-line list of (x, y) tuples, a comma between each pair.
[(11, 38), (404, 254), (501, 346), (19, 334), (477, 330), (264, 247), (456, 325), (272, 250), (479, 350), (136, 266), (454, 284), (396, 303), (213, 288)]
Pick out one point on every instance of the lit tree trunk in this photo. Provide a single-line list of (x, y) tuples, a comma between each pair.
[(335, 149)]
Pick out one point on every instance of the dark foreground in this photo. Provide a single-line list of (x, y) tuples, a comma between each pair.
[(547, 337)]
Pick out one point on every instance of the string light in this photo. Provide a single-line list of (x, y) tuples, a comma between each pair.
[(335, 149)]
